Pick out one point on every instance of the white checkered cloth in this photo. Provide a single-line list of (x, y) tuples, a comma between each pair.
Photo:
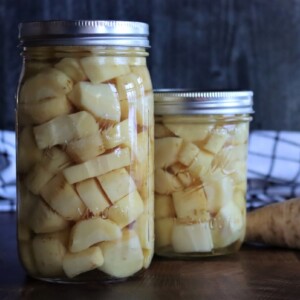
[(273, 168)]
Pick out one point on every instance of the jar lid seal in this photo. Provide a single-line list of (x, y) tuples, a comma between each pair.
[(189, 102), (84, 32)]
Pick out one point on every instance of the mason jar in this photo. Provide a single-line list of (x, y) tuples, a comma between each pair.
[(85, 151), (200, 171)]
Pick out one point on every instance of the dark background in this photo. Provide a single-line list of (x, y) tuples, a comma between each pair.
[(202, 44)]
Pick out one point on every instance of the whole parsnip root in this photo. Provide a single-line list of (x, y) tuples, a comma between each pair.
[(275, 224)]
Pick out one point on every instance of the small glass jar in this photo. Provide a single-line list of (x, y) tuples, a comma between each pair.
[(200, 171), (85, 151)]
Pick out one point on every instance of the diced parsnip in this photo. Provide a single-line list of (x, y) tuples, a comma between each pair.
[(98, 70), (62, 198), (228, 225), (192, 238), (129, 88), (26, 256), (201, 164), (27, 201), (239, 198), (143, 76), (190, 203), (164, 207), (49, 250), (144, 227), (88, 232), (123, 257), (228, 156), (117, 184), (84, 261), (46, 109), (240, 133), (219, 191), (101, 100), (182, 174), (123, 133), (49, 83), (239, 174), (127, 209), (166, 183), (86, 148), (45, 220), (161, 131), (163, 232), (166, 151), (65, 128), (28, 152), (216, 140), (92, 195), (98, 166), (52, 162), (187, 153), (71, 67), (188, 132)]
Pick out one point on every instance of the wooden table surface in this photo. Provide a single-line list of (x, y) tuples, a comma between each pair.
[(253, 273)]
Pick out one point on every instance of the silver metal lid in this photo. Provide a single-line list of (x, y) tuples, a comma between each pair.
[(84, 32), (188, 102)]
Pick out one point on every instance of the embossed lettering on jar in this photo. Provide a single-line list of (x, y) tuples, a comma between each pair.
[(200, 172), (85, 151)]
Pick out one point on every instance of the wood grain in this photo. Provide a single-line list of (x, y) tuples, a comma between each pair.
[(202, 44), (254, 273)]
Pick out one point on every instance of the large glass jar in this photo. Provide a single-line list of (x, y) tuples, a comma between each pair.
[(200, 172), (85, 151)]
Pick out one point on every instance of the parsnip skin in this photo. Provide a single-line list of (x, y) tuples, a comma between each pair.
[(275, 224)]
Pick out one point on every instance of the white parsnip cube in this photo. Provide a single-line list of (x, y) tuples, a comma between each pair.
[(129, 88), (89, 232), (100, 100), (86, 148), (45, 220), (219, 191), (123, 133), (192, 238), (190, 203), (98, 166), (143, 76), (28, 152), (49, 251), (166, 183), (164, 207), (65, 128), (216, 140), (201, 164), (146, 191), (182, 173), (163, 232), (166, 151), (26, 256), (228, 226), (122, 257), (127, 209), (62, 198), (117, 184), (99, 70), (92, 195), (240, 133), (45, 110), (189, 132), (84, 261), (49, 83), (72, 68), (187, 153)]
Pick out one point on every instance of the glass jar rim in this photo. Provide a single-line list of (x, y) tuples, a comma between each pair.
[(193, 102), (84, 32)]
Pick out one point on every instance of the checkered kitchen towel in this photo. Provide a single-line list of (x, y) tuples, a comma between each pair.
[(273, 168)]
